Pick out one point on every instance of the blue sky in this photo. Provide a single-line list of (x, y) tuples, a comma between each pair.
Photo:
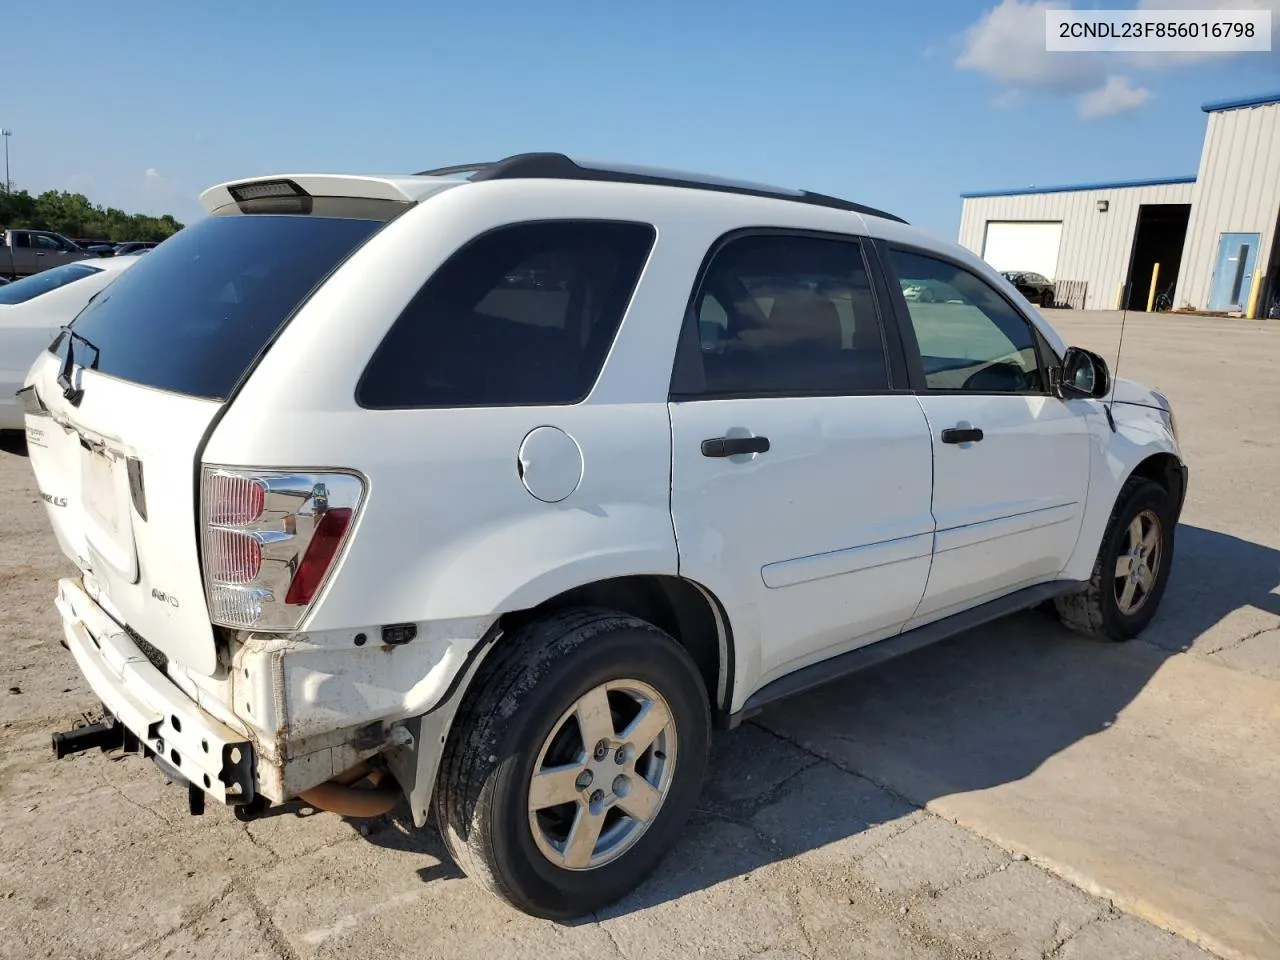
[(901, 105)]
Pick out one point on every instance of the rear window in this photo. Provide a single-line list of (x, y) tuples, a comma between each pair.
[(192, 315), (524, 315), (28, 288)]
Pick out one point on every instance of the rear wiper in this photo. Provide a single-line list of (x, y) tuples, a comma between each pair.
[(73, 393)]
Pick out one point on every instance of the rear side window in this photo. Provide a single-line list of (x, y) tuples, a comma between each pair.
[(523, 315), (28, 288), (192, 316)]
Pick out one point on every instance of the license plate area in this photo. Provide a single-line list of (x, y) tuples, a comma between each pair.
[(104, 497)]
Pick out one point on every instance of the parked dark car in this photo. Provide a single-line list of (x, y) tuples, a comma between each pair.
[(99, 248), (1033, 286), (134, 246)]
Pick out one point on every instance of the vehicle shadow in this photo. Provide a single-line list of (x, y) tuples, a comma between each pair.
[(983, 709), (1213, 576)]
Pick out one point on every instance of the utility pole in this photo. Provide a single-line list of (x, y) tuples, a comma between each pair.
[(8, 184)]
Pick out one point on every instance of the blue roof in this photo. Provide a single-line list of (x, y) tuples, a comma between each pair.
[(1102, 185), (1213, 106)]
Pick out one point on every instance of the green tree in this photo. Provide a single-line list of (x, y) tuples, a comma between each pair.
[(17, 209), (73, 215)]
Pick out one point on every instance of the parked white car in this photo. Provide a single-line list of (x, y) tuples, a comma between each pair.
[(498, 487), (33, 309)]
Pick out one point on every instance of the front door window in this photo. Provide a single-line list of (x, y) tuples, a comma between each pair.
[(970, 338)]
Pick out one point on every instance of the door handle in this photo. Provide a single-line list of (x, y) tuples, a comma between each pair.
[(39, 254), (728, 446), (961, 435)]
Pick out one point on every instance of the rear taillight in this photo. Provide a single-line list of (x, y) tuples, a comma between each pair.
[(234, 500), (231, 556), (269, 541), (324, 545)]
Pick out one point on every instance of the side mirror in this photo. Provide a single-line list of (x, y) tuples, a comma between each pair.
[(1084, 374)]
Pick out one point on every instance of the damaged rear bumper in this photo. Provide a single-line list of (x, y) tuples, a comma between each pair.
[(292, 714), (165, 721)]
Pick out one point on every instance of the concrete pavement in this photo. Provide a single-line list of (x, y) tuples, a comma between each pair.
[(1143, 777)]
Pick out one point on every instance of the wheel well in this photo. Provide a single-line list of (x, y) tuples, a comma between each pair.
[(1166, 470), (686, 611)]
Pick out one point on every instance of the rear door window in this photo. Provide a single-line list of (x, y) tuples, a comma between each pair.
[(785, 315), (192, 316), (523, 315)]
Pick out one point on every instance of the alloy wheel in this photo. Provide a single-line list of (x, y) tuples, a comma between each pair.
[(602, 775), (1138, 562)]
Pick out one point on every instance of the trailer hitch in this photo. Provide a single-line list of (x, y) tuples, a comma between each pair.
[(105, 734)]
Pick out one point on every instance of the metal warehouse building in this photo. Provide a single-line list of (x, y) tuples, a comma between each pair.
[(1213, 235)]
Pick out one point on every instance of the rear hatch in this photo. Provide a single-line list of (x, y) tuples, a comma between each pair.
[(118, 408)]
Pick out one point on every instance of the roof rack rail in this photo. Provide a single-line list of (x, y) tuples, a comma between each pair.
[(558, 166), (456, 168)]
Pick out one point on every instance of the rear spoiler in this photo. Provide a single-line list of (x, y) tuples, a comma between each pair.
[(392, 189)]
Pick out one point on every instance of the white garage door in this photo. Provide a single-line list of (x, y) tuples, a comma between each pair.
[(1014, 245)]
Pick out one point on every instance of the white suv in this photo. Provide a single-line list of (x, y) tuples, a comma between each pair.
[(498, 487)]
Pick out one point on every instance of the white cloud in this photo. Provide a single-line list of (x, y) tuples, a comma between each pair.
[(1117, 95), (1007, 43), (158, 190)]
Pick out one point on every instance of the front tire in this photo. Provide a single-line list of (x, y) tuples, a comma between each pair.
[(1132, 569), (575, 760)]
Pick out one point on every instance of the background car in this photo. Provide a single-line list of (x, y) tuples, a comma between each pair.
[(24, 252), (1034, 286), (31, 312), (928, 291), (103, 248), (134, 246)]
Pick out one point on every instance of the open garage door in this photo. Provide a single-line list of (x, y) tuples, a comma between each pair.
[(1029, 246)]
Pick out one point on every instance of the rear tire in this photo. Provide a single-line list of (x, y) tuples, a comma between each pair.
[(535, 761), (1047, 299), (1132, 569)]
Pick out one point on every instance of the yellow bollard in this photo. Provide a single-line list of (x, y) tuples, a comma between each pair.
[(1252, 312), (1120, 296), (1151, 296)]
